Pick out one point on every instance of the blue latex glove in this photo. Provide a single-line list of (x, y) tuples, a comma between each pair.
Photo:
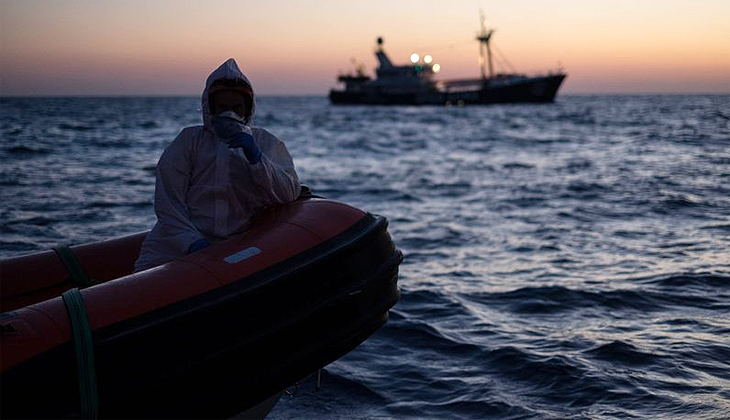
[(237, 135), (246, 142), (198, 245)]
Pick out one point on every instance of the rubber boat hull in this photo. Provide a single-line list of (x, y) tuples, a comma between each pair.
[(206, 335)]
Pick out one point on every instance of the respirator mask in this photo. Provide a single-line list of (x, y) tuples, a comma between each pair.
[(227, 124)]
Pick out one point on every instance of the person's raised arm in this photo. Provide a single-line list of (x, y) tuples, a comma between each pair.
[(275, 173)]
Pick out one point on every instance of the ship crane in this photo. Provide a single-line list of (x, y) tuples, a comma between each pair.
[(484, 48)]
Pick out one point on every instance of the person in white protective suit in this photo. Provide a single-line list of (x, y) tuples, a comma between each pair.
[(212, 178)]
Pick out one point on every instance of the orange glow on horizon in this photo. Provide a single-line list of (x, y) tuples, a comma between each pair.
[(169, 47)]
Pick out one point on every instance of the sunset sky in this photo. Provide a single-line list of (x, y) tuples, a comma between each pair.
[(168, 47)]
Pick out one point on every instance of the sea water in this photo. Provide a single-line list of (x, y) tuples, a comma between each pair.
[(565, 260)]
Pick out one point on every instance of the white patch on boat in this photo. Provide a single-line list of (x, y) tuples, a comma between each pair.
[(241, 255)]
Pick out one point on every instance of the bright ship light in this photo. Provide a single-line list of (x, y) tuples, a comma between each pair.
[(436, 68), (427, 59), (414, 58)]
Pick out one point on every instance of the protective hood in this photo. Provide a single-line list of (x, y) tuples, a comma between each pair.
[(227, 71)]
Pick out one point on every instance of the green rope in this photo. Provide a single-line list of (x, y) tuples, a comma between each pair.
[(84, 346), (73, 266)]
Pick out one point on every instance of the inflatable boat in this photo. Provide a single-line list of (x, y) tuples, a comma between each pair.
[(208, 335)]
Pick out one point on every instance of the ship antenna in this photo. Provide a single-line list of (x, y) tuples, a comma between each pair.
[(483, 37)]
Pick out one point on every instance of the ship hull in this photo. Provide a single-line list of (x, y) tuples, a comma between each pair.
[(499, 90)]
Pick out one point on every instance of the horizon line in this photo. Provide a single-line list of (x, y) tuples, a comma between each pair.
[(313, 95)]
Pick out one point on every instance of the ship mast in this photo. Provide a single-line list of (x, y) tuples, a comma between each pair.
[(483, 37), (382, 58)]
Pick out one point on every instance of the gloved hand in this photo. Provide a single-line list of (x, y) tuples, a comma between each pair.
[(198, 245), (230, 128), (245, 141)]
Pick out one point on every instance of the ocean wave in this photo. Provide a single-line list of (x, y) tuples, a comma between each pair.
[(23, 150), (71, 126), (696, 280), (560, 299), (623, 353)]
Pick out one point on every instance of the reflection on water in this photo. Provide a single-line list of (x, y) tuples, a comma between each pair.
[(563, 260)]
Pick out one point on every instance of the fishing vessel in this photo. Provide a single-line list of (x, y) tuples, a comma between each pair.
[(218, 332), (415, 84)]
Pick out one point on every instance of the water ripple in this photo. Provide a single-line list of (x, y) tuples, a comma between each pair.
[(562, 261)]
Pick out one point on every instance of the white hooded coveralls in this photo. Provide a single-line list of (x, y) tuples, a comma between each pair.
[(205, 189)]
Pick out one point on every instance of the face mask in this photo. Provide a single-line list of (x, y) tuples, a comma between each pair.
[(227, 124), (231, 115)]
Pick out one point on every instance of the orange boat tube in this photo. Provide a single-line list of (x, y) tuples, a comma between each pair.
[(207, 335)]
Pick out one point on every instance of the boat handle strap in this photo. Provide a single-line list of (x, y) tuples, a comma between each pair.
[(84, 349), (73, 266)]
